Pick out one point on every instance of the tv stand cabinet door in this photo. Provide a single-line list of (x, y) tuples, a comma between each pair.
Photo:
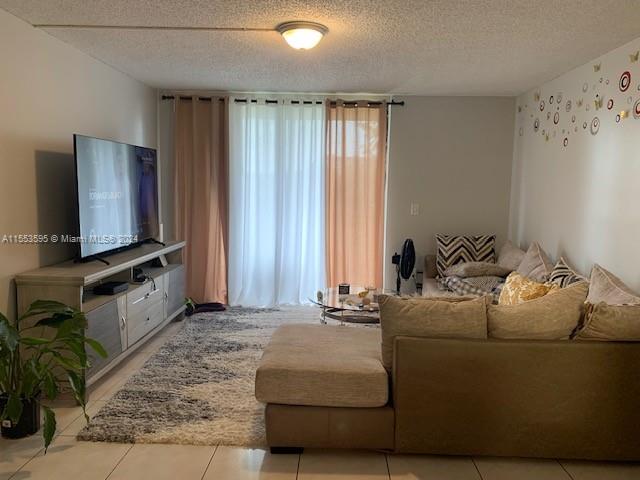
[(104, 326), (174, 284)]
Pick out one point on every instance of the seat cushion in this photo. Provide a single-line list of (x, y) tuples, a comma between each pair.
[(323, 366)]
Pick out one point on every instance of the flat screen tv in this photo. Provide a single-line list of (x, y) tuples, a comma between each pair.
[(117, 187)]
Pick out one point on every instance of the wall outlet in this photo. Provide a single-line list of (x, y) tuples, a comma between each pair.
[(415, 209)]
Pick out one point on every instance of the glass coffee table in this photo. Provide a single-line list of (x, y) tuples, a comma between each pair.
[(351, 308)]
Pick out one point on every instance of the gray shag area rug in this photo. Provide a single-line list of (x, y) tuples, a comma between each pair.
[(198, 388)]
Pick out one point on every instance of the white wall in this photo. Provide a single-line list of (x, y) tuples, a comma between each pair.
[(581, 200), (49, 91), (452, 156)]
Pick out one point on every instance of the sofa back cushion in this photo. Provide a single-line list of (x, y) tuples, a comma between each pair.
[(551, 317), (606, 287), (454, 249), (518, 289), (610, 323), (431, 318)]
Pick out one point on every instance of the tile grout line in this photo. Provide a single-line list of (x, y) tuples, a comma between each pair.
[(119, 461), (298, 467), (25, 463), (215, 449), (386, 460), (563, 468), (477, 469)]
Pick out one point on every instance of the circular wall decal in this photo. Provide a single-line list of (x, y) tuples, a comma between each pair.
[(625, 81), (585, 87), (536, 125), (548, 115), (610, 104), (584, 125), (618, 118), (595, 125), (556, 118), (607, 81), (573, 119), (541, 105), (636, 109), (565, 142), (551, 99), (521, 131), (559, 98), (567, 107), (600, 79)]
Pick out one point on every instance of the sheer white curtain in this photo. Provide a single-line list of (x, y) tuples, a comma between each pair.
[(276, 204)]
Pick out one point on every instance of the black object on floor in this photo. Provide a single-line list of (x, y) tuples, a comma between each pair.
[(29, 422), (204, 308), (286, 450)]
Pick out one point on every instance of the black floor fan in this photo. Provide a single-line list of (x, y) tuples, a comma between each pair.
[(404, 263)]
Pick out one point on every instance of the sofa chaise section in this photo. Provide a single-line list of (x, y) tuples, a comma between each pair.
[(325, 386)]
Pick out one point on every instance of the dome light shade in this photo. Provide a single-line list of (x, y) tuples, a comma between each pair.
[(302, 35)]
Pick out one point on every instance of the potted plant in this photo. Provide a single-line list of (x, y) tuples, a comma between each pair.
[(35, 360)]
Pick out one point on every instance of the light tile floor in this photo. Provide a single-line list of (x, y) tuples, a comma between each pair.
[(68, 459)]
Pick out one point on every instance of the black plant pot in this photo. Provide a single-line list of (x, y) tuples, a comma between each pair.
[(29, 422)]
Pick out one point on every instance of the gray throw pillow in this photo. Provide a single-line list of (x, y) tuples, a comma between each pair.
[(476, 269), (510, 256), (606, 287), (536, 264)]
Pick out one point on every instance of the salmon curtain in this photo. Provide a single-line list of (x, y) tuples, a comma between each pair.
[(201, 193), (355, 178)]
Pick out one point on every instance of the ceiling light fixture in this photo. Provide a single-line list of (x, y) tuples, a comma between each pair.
[(302, 35)]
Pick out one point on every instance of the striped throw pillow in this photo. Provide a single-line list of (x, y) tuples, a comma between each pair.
[(454, 249)]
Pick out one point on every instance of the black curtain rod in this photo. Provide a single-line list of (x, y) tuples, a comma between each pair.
[(295, 102)]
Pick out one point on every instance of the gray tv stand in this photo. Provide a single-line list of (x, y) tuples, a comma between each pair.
[(121, 322)]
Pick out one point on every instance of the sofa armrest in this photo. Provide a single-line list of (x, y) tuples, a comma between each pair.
[(518, 398)]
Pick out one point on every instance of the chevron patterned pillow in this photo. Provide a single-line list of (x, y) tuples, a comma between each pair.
[(563, 275), (454, 249)]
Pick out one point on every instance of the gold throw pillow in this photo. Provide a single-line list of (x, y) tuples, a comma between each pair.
[(519, 289)]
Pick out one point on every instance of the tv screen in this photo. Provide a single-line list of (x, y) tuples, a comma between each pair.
[(117, 194)]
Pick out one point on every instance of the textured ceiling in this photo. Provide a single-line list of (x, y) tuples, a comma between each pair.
[(439, 47)]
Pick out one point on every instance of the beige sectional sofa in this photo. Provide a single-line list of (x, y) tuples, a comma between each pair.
[(326, 386)]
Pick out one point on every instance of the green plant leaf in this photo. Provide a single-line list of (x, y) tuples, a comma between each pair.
[(40, 307), (67, 363), (96, 347), (50, 385), (31, 377), (49, 427), (34, 341), (53, 322), (9, 336), (13, 409), (78, 387)]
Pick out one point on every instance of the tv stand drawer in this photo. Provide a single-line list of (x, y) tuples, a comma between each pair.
[(142, 323), (144, 297)]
